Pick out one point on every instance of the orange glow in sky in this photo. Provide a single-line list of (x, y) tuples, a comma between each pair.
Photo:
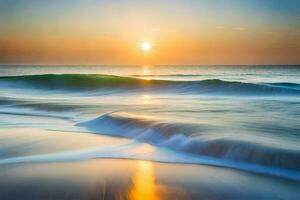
[(184, 32)]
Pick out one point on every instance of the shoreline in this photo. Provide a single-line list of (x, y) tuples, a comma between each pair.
[(120, 178), (32, 145)]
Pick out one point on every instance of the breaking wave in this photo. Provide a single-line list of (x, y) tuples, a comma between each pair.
[(87, 82), (179, 136)]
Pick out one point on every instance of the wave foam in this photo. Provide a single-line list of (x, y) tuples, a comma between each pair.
[(177, 137)]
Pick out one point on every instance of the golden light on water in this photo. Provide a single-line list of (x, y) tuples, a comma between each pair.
[(144, 186), (146, 70), (146, 96), (146, 99)]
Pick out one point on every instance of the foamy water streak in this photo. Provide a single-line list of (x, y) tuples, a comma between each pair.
[(178, 137), (140, 151)]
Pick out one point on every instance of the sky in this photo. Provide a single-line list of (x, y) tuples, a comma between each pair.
[(180, 31)]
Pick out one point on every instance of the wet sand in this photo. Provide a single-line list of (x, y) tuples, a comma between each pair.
[(121, 178), (128, 179)]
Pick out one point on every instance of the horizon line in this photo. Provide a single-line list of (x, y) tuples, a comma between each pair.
[(58, 64)]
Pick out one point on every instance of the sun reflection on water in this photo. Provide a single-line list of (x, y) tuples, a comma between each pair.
[(144, 186), (146, 99), (146, 71)]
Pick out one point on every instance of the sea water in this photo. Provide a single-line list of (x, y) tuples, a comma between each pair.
[(242, 117)]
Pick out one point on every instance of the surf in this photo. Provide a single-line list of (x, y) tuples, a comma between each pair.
[(180, 137), (131, 150), (95, 82)]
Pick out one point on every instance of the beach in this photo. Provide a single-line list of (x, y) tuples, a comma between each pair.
[(122, 178), (120, 132)]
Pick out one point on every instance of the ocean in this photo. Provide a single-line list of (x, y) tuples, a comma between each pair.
[(240, 117)]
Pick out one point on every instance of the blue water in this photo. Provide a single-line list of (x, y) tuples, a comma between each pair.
[(242, 117)]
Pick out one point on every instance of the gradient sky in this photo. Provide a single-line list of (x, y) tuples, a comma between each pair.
[(182, 32)]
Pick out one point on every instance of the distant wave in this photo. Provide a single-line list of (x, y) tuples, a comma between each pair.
[(168, 75), (87, 82), (286, 85), (177, 136), (76, 81)]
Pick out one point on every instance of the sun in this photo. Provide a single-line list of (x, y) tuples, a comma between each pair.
[(146, 46)]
